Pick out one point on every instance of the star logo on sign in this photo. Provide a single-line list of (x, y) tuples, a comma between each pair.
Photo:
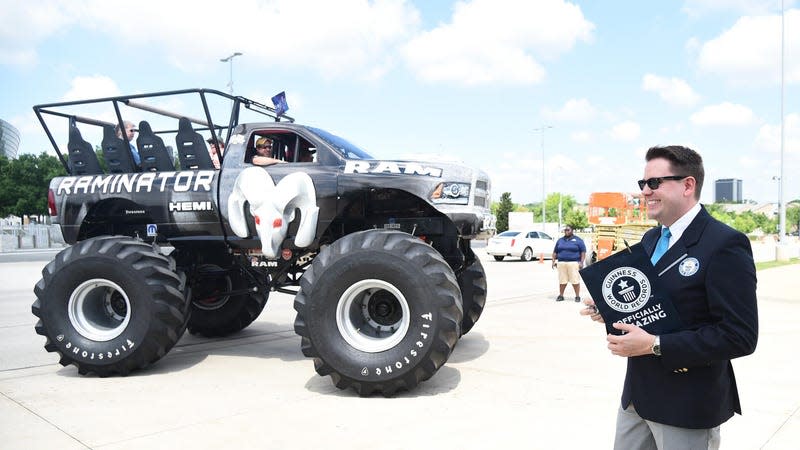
[(623, 284)]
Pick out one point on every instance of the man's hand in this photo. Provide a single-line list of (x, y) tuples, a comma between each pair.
[(635, 341), (591, 310)]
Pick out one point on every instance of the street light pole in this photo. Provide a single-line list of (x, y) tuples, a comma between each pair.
[(544, 191), (780, 205), (782, 209), (230, 59), (559, 210)]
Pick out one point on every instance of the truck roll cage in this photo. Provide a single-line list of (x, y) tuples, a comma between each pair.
[(76, 164)]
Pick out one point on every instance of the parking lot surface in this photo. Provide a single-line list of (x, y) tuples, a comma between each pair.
[(533, 373)]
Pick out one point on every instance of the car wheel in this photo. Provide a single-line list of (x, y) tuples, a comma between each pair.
[(472, 282), (110, 305), (527, 254), (215, 313), (379, 311), (499, 258)]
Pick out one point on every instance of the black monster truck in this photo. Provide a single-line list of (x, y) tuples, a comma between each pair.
[(376, 252)]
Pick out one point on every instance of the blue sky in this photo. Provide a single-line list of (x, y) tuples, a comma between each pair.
[(469, 81)]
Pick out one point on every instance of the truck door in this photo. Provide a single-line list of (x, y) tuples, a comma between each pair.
[(271, 200)]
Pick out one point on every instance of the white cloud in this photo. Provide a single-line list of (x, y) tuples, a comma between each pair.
[(497, 41), (672, 90), (581, 137), (23, 25), (574, 110), (702, 7), (723, 114), (626, 131), (749, 52), (345, 37), (96, 86), (769, 136)]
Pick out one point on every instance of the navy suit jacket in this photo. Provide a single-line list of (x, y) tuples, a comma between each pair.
[(710, 276)]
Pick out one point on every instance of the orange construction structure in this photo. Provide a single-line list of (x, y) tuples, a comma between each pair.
[(617, 217)]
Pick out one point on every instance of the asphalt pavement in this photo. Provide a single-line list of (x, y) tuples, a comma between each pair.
[(532, 373)]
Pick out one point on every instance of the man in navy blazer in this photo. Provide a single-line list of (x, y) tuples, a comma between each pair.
[(679, 387)]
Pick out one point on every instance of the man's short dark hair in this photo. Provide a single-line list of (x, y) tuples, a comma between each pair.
[(683, 161)]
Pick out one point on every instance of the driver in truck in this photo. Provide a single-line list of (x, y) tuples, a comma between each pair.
[(263, 151)]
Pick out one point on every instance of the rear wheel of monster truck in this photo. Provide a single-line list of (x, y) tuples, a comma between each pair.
[(472, 282), (110, 305), (379, 311), (215, 313)]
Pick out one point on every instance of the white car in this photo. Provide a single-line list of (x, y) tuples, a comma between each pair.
[(527, 245)]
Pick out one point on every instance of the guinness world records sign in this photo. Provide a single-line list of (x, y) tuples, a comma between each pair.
[(625, 288)]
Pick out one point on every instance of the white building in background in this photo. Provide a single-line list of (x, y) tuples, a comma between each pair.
[(9, 140)]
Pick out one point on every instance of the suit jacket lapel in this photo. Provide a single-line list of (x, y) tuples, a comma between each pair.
[(650, 239), (689, 238)]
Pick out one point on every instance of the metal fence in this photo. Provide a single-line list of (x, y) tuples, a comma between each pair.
[(15, 236)]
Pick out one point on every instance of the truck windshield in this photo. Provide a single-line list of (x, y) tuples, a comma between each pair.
[(346, 148)]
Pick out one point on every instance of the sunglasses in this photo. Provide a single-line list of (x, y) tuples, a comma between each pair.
[(654, 183), (263, 146)]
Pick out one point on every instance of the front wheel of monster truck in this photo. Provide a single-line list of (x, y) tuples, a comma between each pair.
[(110, 305), (379, 311), (472, 282), (216, 312)]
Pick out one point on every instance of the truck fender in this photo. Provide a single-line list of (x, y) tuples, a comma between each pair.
[(273, 206)]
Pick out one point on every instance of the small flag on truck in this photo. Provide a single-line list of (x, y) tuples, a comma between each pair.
[(279, 101)]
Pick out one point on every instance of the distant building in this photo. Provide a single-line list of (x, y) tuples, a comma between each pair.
[(9, 140), (728, 190)]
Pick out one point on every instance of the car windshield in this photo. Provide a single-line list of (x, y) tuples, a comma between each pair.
[(343, 146), (508, 234)]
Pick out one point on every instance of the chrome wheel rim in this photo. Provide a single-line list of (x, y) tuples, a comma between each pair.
[(373, 315), (99, 309)]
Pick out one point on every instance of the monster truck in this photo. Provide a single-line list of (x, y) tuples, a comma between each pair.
[(376, 252)]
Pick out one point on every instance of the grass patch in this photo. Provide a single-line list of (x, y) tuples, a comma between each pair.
[(771, 264)]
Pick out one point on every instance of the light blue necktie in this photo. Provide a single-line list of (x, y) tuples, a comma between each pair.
[(661, 246)]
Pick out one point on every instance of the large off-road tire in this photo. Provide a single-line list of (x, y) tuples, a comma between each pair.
[(379, 311), (472, 282), (220, 315), (110, 305)]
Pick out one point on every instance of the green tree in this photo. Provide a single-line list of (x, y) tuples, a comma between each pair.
[(576, 219), (101, 158), (792, 217), (24, 182), (745, 223), (503, 208), (551, 206), (720, 214)]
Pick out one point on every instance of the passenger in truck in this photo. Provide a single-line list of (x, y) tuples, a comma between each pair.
[(130, 131), (215, 149), (306, 154)]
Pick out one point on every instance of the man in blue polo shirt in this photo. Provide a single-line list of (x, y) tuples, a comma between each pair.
[(568, 255)]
